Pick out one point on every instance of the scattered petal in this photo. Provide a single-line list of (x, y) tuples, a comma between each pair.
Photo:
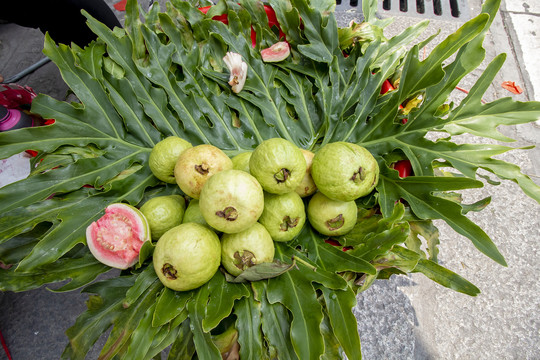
[(512, 87), (121, 5), (238, 70)]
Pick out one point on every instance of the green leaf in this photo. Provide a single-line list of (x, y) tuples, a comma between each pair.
[(104, 309), (248, 324), (445, 277), (275, 325), (261, 271), (81, 271), (427, 206), (295, 291), (145, 279), (183, 347), (206, 349), (328, 257), (339, 306), (429, 232), (163, 75), (221, 300), (126, 324), (399, 258), (170, 305)]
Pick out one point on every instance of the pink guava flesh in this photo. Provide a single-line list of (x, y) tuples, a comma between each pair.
[(116, 238), (277, 52)]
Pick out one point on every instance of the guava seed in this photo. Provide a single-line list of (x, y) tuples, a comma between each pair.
[(202, 169), (335, 223), (288, 223), (282, 175), (358, 176), (245, 260), (229, 213), (169, 271)]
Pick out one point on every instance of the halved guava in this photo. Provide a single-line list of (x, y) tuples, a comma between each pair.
[(344, 171), (277, 52), (247, 248), (331, 217), (196, 165), (283, 215), (164, 156), (278, 165), (231, 201), (187, 256), (116, 238)]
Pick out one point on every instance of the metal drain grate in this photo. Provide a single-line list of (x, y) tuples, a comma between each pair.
[(447, 10)]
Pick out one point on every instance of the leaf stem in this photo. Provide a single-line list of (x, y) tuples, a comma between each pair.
[(303, 262)]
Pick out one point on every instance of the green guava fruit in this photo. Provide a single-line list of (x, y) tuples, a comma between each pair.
[(307, 186), (241, 161), (283, 215), (164, 156), (277, 52), (331, 217), (163, 213), (187, 256), (278, 165), (231, 201), (196, 165), (344, 171), (244, 249), (116, 238), (193, 213)]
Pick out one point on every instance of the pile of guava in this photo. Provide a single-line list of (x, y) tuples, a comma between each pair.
[(233, 210)]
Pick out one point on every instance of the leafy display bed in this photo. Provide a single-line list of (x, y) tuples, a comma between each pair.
[(166, 77)]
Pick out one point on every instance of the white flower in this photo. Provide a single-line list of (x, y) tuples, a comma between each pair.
[(238, 70)]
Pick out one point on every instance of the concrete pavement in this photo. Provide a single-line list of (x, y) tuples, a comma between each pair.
[(406, 317)]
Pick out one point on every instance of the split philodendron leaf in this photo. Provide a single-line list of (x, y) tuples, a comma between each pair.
[(174, 82)]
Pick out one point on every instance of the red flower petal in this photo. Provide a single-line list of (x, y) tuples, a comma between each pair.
[(121, 5), (512, 87)]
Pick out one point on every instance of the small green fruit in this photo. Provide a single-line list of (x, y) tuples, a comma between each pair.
[(331, 217), (283, 216), (307, 186), (164, 156), (187, 256), (196, 165), (278, 165), (241, 161), (231, 201), (163, 213), (193, 213), (247, 248), (344, 171)]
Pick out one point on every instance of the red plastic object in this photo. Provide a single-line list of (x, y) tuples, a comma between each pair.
[(404, 168), (336, 243), (386, 87), (14, 96), (121, 5), (270, 13), (4, 345)]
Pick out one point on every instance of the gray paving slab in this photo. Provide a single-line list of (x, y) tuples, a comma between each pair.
[(403, 318)]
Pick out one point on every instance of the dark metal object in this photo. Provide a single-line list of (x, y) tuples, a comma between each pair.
[(28, 70), (446, 10)]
